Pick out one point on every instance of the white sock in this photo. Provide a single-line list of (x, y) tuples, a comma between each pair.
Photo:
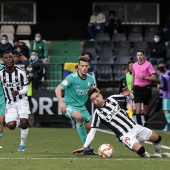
[(24, 134), (157, 147)]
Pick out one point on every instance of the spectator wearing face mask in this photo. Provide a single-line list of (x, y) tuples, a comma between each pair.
[(35, 67), (5, 45), (157, 50), (40, 47)]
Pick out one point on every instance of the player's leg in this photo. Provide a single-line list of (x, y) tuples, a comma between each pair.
[(89, 150), (87, 120), (130, 141), (166, 109), (24, 132), (156, 144), (73, 113), (23, 114), (138, 113), (11, 116), (132, 138), (146, 113), (73, 123), (77, 116), (138, 102), (2, 112), (146, 98), (146, 134), (2, 117), (88, 126)]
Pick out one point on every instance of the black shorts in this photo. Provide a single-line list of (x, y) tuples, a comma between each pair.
[(142, 94)]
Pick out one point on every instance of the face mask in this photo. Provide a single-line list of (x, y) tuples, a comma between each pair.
[(4, 41), (33, 57), (37, 38), (29, 69), (156, 39)]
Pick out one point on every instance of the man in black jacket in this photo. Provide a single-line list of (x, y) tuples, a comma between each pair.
[(157, 50), (37, 69)]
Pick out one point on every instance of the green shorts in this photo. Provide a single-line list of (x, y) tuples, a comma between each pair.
[(83, 110)]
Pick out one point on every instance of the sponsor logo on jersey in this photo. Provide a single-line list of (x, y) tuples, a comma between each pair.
[(89, 84), (65, 82), (11, 85)]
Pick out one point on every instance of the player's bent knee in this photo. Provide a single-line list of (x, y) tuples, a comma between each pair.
[(158, 140), (141, 151), (79, 119), (11, 125), (24, 124)]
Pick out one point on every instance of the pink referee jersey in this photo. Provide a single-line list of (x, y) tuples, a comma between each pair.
[(146, 69)]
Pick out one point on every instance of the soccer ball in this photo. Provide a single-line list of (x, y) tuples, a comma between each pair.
[(106, 151)]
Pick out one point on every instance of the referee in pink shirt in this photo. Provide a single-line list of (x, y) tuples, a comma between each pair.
[(143, 75)]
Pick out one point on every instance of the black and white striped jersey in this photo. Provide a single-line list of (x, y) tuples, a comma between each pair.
[(113, 117), (13, 82)]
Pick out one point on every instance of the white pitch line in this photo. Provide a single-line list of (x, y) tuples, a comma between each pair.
[(108, 159), (105, 131)]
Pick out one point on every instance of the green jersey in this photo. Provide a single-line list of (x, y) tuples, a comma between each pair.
[(129, 78), (2, 97), (76, 89)]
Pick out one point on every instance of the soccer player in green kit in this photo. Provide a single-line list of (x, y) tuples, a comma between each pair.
[(76, 86), (2, 108)]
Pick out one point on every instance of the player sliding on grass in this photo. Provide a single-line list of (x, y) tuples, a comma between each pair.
[(76, 86), (127, 131)]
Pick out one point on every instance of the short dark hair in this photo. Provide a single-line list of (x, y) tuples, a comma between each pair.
[(142, 51), (112, 12), (162, 61), (91, 91), (97, 7), (84, 58), (126, 68), (161, 69), (158, 34), (131, 61), (8, 52), (5, 35), (87, 53)]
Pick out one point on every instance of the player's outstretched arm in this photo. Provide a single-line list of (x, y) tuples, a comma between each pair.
[(89, 139), (78, 150)]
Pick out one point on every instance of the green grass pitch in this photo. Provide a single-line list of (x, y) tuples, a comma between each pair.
[(51, 149)]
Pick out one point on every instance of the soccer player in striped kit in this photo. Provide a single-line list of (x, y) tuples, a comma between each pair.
[(126, 130), (15, 84)]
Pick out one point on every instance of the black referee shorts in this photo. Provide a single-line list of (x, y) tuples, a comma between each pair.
[(142, 94)]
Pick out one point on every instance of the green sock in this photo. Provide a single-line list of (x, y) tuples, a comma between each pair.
[(167, 116), (81, 131), (0, 135)]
